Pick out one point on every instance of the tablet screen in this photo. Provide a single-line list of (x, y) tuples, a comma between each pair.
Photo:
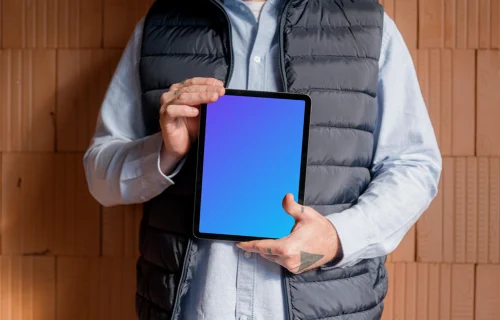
[(253, 150)]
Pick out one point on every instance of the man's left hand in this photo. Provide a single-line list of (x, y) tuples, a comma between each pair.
[(312, 242)]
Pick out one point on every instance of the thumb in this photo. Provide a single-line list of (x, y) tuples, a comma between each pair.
[(292, 208)]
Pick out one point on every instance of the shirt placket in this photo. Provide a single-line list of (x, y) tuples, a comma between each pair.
[(245, 285)]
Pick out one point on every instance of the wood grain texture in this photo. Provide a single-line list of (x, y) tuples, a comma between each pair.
[(77, 214), (27, 288), (83, 77), (52, 24), (404, 14), (27, 100), (120, 231), (96, 288), (27, 225), (460, 24), (120, 19)]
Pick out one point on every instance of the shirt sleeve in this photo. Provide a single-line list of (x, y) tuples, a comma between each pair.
[(122, 163), (406, 165)]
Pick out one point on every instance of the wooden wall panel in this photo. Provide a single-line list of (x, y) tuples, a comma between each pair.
[(27, 97), (120, 19), (120, 231), (52, 24), (28, 203), (95, 288), (459, 24), (77, 214), (83, 77), (27, 288), (404, 13)]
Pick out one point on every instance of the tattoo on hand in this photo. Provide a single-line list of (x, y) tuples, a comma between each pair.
[(308, 259), (302, 209), (269, 251)]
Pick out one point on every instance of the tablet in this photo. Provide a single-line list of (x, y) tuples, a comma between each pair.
[(252, 151)]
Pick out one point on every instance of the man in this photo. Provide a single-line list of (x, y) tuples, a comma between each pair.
[(373, 161)]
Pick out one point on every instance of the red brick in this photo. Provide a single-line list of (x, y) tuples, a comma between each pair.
[(431, 24), (27, 100), (429, 231), (462, 293), (494, 211), (83, 77), (448, 194), (447, 81), (487, 292), (405, 252), (388, 313), (27, 288), (488, 103), (120, 231)]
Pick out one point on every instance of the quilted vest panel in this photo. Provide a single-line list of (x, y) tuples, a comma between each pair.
[(329, 50)]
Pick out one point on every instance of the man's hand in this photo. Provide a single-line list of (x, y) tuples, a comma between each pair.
[(179, 120), (312, 242)]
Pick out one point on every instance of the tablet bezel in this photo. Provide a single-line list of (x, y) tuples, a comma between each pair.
[(200, 154)]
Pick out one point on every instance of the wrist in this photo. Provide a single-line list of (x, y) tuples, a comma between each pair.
[(168, 160)]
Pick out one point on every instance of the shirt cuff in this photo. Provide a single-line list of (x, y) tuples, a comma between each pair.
[(353, 232), (150, 163)]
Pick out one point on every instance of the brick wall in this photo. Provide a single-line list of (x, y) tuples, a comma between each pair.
[(65, 257)]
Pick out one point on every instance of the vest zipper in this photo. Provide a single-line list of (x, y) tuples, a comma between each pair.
[(286, 283), (282, 50), (228, 78), (181, 280), (231, 56)]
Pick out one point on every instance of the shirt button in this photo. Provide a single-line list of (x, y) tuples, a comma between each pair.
[(247, 255), (143, 198), (256, 59), (243, 318), (242, 7)]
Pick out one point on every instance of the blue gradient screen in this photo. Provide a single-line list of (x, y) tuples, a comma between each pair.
[(251, 160)]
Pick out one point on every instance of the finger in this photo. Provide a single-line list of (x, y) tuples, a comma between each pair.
[(293, 208), (204, 88), (196, 98), (268, 246), (174, 111), (202, 81)]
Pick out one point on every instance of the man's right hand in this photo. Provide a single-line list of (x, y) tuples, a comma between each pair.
[(179, 120)]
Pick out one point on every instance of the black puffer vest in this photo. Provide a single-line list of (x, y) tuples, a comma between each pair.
[(329, 50)]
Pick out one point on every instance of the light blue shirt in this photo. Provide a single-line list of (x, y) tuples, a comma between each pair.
[(122, 166)]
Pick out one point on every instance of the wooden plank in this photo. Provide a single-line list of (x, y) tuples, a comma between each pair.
[(120, 231), (494, 211)]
